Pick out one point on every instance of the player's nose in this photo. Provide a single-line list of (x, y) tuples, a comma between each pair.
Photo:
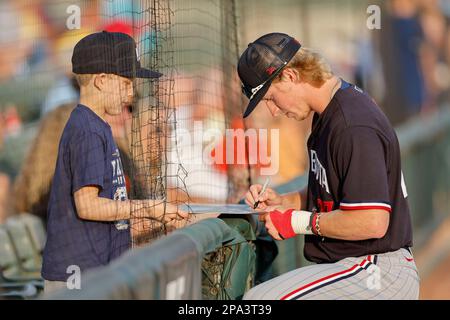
[(274, 110)]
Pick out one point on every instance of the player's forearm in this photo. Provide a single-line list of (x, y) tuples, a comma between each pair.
[(354, 225), (296, 200)]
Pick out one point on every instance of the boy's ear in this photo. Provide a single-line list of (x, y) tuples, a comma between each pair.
[(99, 80)]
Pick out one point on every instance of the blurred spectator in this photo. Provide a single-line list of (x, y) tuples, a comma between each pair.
[(198, 107), (4, 182), (53, 15), (120, 9), (368, 71), (65, 89), (12, 122), (18, 27), (401, 42), (435, 59), (119, 26), (30, 39), (32, 186), (5, 186)]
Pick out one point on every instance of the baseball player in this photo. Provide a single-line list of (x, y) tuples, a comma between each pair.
[(354, 211), (89, 210)]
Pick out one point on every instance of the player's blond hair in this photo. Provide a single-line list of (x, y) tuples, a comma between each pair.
[(311, 66)]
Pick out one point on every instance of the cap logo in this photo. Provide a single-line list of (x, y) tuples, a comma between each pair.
[(255, 90), (270, 70)]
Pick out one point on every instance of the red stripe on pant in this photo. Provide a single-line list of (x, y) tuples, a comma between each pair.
[(368, 259)]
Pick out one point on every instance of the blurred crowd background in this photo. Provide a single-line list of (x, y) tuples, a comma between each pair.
[(404, 65)]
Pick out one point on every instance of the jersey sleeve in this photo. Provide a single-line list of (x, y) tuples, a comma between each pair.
[(360, 155), (87, 161)]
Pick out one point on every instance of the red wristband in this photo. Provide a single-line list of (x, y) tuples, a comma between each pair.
[(313, 223), (282, 222)]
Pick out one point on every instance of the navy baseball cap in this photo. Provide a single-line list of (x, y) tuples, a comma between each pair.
[(262, 62), (109, 52)]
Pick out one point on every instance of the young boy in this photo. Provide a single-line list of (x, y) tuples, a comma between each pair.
[(88, 210)]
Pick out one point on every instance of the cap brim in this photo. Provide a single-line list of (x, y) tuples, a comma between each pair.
[(256, 99), (146, 73)]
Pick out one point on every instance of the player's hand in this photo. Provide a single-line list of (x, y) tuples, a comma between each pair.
[(268, 198), (271, 229), (269, 226)]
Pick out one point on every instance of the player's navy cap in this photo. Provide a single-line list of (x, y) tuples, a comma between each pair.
[(109, 52), (261, 62)]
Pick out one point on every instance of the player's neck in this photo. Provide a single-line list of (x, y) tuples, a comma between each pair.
[(321, 97)]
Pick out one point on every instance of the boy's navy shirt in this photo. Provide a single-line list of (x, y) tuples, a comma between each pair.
[(87, 156)]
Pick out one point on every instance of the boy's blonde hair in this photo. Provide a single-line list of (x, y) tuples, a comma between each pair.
[(83, 79), (311, 66)]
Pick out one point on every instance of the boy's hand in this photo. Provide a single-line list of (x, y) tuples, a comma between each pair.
[(174, 225), (173, 212)]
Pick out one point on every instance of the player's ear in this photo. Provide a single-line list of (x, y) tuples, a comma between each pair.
[(290, 74)]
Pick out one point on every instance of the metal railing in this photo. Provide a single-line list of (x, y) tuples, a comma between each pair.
[(171, 268)]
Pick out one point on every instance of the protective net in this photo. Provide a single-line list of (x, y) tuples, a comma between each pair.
[(179, 120)]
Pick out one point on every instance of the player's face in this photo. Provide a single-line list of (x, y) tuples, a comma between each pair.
[(286, 98), (120, 94)]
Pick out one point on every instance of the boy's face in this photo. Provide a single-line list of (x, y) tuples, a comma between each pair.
[(118, 92)]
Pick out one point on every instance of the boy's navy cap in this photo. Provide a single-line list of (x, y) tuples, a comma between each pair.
[(109, 52), (261, 62)]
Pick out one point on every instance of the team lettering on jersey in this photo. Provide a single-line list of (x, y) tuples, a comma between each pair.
[(118, 177), (118, 180), (319, 171), (325, 206)]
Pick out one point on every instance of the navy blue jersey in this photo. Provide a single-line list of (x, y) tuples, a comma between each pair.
[(355, 164), (87, 156)]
